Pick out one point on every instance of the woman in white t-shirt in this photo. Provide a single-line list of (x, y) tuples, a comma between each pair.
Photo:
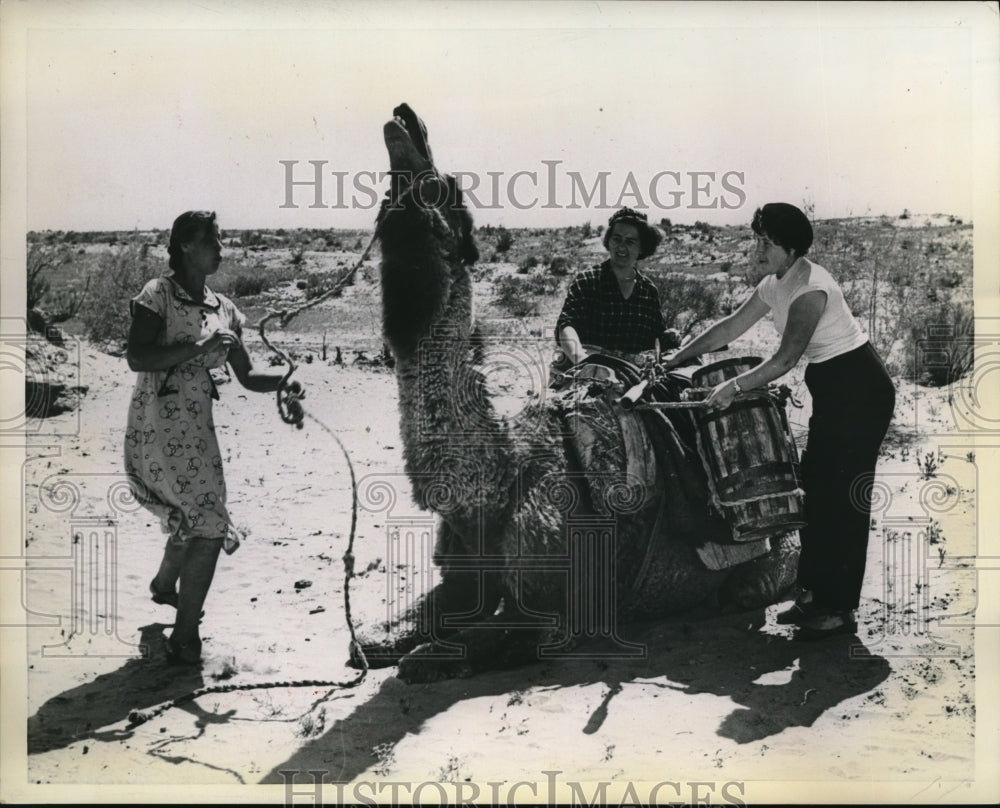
[(853, 400)]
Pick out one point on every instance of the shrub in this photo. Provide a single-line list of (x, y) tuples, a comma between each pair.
[(504, 240), (248, 285), (241, 279), (899, 289), (519, 295), (319, 283), (120, 274), (41, 261), (940, 348), (950, 279), (688, 302), (559, 266)]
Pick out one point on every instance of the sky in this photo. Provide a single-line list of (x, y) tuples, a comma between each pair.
[(552, 114)]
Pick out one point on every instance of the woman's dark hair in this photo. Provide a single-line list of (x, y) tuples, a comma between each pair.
[(785, 225), (649, 236), (186, 228)]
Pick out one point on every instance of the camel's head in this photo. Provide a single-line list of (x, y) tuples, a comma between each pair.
[(426, 235), (406, 139), (417, 187)]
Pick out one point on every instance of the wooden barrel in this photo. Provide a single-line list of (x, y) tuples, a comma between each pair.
[(750, 457)]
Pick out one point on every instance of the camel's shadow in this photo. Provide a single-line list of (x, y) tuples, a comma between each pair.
[(79, 713), (775, 681)]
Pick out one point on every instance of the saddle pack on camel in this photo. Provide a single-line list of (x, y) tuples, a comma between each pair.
[(649, 457)]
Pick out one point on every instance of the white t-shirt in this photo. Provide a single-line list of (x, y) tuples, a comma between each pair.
[(837, 331)]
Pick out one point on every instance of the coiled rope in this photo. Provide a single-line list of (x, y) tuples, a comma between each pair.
[(291, 411)]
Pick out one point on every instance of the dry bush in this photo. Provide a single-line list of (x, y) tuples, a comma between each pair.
[(519, 295), (42, 261), (941, 347), (691, 302), (505, 240), (241, 279), (120, 275), (911, 293), (559, 266)]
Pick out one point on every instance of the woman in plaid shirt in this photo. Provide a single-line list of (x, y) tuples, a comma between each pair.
[(613, 306)]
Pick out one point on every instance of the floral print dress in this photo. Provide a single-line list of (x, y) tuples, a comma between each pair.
[(171, 452)]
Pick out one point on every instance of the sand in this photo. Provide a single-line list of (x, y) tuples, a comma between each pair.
[(724, 708)]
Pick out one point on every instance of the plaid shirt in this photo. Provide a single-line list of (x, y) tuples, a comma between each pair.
[(602, 317)]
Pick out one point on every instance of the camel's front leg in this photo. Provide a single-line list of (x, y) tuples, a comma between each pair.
[(533, 616), (460, 592), (493, 644)]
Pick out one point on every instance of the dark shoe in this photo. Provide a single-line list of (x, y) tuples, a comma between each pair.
[(803, 607), (163, 598), (822, 624), (179, 653)]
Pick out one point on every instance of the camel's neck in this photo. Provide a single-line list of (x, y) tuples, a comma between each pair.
[(456, 447)]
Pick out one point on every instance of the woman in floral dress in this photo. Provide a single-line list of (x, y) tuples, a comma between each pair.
[(181, 330)]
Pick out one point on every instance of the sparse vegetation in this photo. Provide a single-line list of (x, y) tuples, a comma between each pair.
[(504, 241), (250, 279), (518, 295), (928, 465), (559, 266), (942, 346), (913, 295), (62, 303), (120, 274), (910, 284), (691, 302)]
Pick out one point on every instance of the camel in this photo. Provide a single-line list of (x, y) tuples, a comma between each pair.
[(511, 492)]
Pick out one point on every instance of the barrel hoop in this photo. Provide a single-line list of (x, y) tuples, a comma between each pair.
[(735, 503), (749, 400), (771, 474), (769, 527), (746, 362)]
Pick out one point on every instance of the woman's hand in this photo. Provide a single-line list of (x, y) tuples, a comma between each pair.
[(722, 395), (670, 362), (220, 339)]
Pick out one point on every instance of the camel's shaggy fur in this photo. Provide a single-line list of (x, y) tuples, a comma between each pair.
[(508, 492)]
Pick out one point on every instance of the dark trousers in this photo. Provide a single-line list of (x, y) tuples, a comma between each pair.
[(853, 399)]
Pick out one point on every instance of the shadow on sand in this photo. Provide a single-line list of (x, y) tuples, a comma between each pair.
[(725, 656), (79, 713)]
